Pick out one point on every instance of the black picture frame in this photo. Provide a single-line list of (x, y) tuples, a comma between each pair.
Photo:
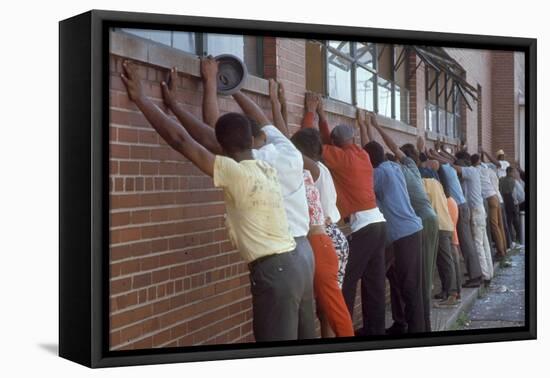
[(84, 190)]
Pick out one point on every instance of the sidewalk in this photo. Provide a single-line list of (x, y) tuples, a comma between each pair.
[(501, 305)]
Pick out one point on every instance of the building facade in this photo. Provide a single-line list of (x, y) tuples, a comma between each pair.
[(175, 279)]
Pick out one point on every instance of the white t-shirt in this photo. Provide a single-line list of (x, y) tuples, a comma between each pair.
[(326, 188), (501, 172), (519, 193), (281, 154), (363, 218), (487, 187)]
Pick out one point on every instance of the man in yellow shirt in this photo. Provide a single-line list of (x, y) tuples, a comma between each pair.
[(282, 294), (445, 260)]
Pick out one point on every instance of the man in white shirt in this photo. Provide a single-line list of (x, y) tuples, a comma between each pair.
[(490, 194)]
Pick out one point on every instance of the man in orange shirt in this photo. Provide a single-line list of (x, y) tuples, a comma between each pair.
[(352, 172)]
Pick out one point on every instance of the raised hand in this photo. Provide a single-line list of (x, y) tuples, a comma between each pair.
[(312, 102), (371, 120), (360, 118), (320, 106), (132, 82), (209, 68), (420, 144), (168, 87), (273, 90)]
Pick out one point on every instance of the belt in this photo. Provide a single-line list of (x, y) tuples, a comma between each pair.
[(252, 264)]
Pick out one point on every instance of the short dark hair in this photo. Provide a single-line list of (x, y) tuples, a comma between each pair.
[(422, 156), (233, 132), (376, 153), (509, 170), (410, 150), (474, 159), (308, 142), (462, 155)]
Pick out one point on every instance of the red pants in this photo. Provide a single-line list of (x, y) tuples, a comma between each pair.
[(328, 294)]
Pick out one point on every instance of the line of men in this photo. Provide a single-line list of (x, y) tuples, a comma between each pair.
[(286, 197)]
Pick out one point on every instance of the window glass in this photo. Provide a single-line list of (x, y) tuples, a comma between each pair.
[(339, 78), (384, 97), (217, 44), (450, 124), (160, 36), (432, 117), (401, 104), (184, 41), (365, 54), (442, 119), (365, 89), (342, 46)]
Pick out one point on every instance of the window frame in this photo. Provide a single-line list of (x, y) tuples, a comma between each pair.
[(355, 63), (455, 105), (201, 45)]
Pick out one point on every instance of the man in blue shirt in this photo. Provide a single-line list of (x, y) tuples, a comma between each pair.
[(405, 236), (407, 157), (451, 183)]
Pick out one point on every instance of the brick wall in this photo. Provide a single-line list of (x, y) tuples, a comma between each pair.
[(175, 279), (504, 109), (477, 64)]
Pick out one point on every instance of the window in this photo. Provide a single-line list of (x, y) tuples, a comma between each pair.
[(360, 73), (248, 48), (442, 104)]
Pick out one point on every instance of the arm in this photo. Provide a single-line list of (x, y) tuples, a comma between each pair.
[(312, 167), (491, 158), (282, 99), (209, 72), (311, 102), (362, 128), (201, 132), (421, 144), (172, 132), (432, 154), (251, 109), (278, 119), (323, 122), (387, 139)]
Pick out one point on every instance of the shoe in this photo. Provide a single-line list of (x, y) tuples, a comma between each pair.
[(447, 303), (440, 296), (396, 329), (486, 283), (476, 282)]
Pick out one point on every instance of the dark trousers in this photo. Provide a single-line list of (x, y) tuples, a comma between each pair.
[(282, 296), (446, 264), (405, 276), (467, 246), (366, 263), (512, 216), (505, 223), (430, 235)]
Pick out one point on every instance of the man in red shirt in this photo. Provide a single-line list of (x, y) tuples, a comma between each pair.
[(352, 172)]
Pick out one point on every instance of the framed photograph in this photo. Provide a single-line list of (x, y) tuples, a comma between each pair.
[(235, 188)]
